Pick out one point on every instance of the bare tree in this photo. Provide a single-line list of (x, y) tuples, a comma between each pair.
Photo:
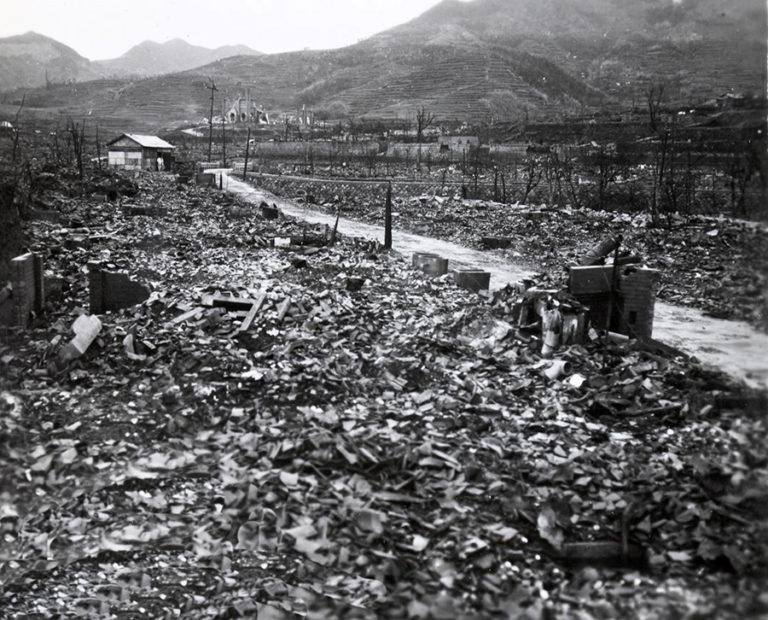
[(77, 135), (424, 120), (654, 99), (98, 147), (16, 130), (605, 170), (532, 172)]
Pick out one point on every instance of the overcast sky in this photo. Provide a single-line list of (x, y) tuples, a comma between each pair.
[(99, 29)]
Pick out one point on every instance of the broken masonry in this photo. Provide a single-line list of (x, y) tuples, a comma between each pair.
[(113, 290)]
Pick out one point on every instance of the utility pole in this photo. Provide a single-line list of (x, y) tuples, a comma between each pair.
[(223, 143), (213, 89), (388, 219), (98, 148), (247, 147)]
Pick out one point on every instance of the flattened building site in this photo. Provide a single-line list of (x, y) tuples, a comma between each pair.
[(457, 309)]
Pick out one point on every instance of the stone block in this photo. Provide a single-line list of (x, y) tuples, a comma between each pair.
[(637, 289), (269, 213), (590, 280), (54, 287), (472, 279), (77, 242), (417, 256), (113, 290), (634, 298), (28, 290), (431, 264), (492, 242), (205, 179)]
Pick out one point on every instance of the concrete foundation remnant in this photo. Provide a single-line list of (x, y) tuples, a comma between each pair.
[(431, 264), (28, 284), (634, 297), (472, 279), (113, 290)]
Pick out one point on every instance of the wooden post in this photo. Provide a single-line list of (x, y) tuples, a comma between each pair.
[(388, 219), (212, 88), (223, 144), (98, 147), (247, 147), (614, 305), (503, 189)]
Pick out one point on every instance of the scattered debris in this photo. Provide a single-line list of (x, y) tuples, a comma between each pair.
[(394, 448)]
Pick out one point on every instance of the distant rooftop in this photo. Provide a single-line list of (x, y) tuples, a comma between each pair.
[(150, 142)]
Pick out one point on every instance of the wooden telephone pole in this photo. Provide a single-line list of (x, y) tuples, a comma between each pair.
[(247, 148), (223, 143), (388, 219), (213, 89)]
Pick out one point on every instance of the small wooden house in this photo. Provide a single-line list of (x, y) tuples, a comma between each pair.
[(136, 152)]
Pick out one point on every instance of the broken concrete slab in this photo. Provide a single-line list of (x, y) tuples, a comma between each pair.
[(205, 179), (472, 279), (153, 211), (431, 264), (590, 280), (86, 328), (228, 303), (495, 243), (269, 213), (634, 296), (113, 290), (638, 287), (249, 318)]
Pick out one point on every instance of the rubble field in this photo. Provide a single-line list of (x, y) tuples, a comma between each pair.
[(318, 430), (716, 264)]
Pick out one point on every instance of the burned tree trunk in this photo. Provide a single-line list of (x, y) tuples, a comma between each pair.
[(388, 219)]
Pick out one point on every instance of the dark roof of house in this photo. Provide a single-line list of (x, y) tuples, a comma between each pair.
[(150, 142)]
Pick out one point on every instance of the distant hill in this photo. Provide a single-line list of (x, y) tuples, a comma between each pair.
[(499, 59), (698, 47), (504, 58), (26, 60), (150, 58)]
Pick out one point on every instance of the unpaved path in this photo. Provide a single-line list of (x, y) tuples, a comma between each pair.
[(732, 346)]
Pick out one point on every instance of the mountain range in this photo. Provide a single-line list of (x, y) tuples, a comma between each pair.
[(31, 60), (470, 60), (150, 58)]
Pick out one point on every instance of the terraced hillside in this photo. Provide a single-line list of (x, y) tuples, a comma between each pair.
[(470, 60)]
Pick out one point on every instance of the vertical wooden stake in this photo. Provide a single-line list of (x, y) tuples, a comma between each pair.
[(247, 147), (614, 305), (388, 219), (223, 144), (98, 148), (212, 88)]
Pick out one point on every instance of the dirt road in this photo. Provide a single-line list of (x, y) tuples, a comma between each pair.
[(732, 346)]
